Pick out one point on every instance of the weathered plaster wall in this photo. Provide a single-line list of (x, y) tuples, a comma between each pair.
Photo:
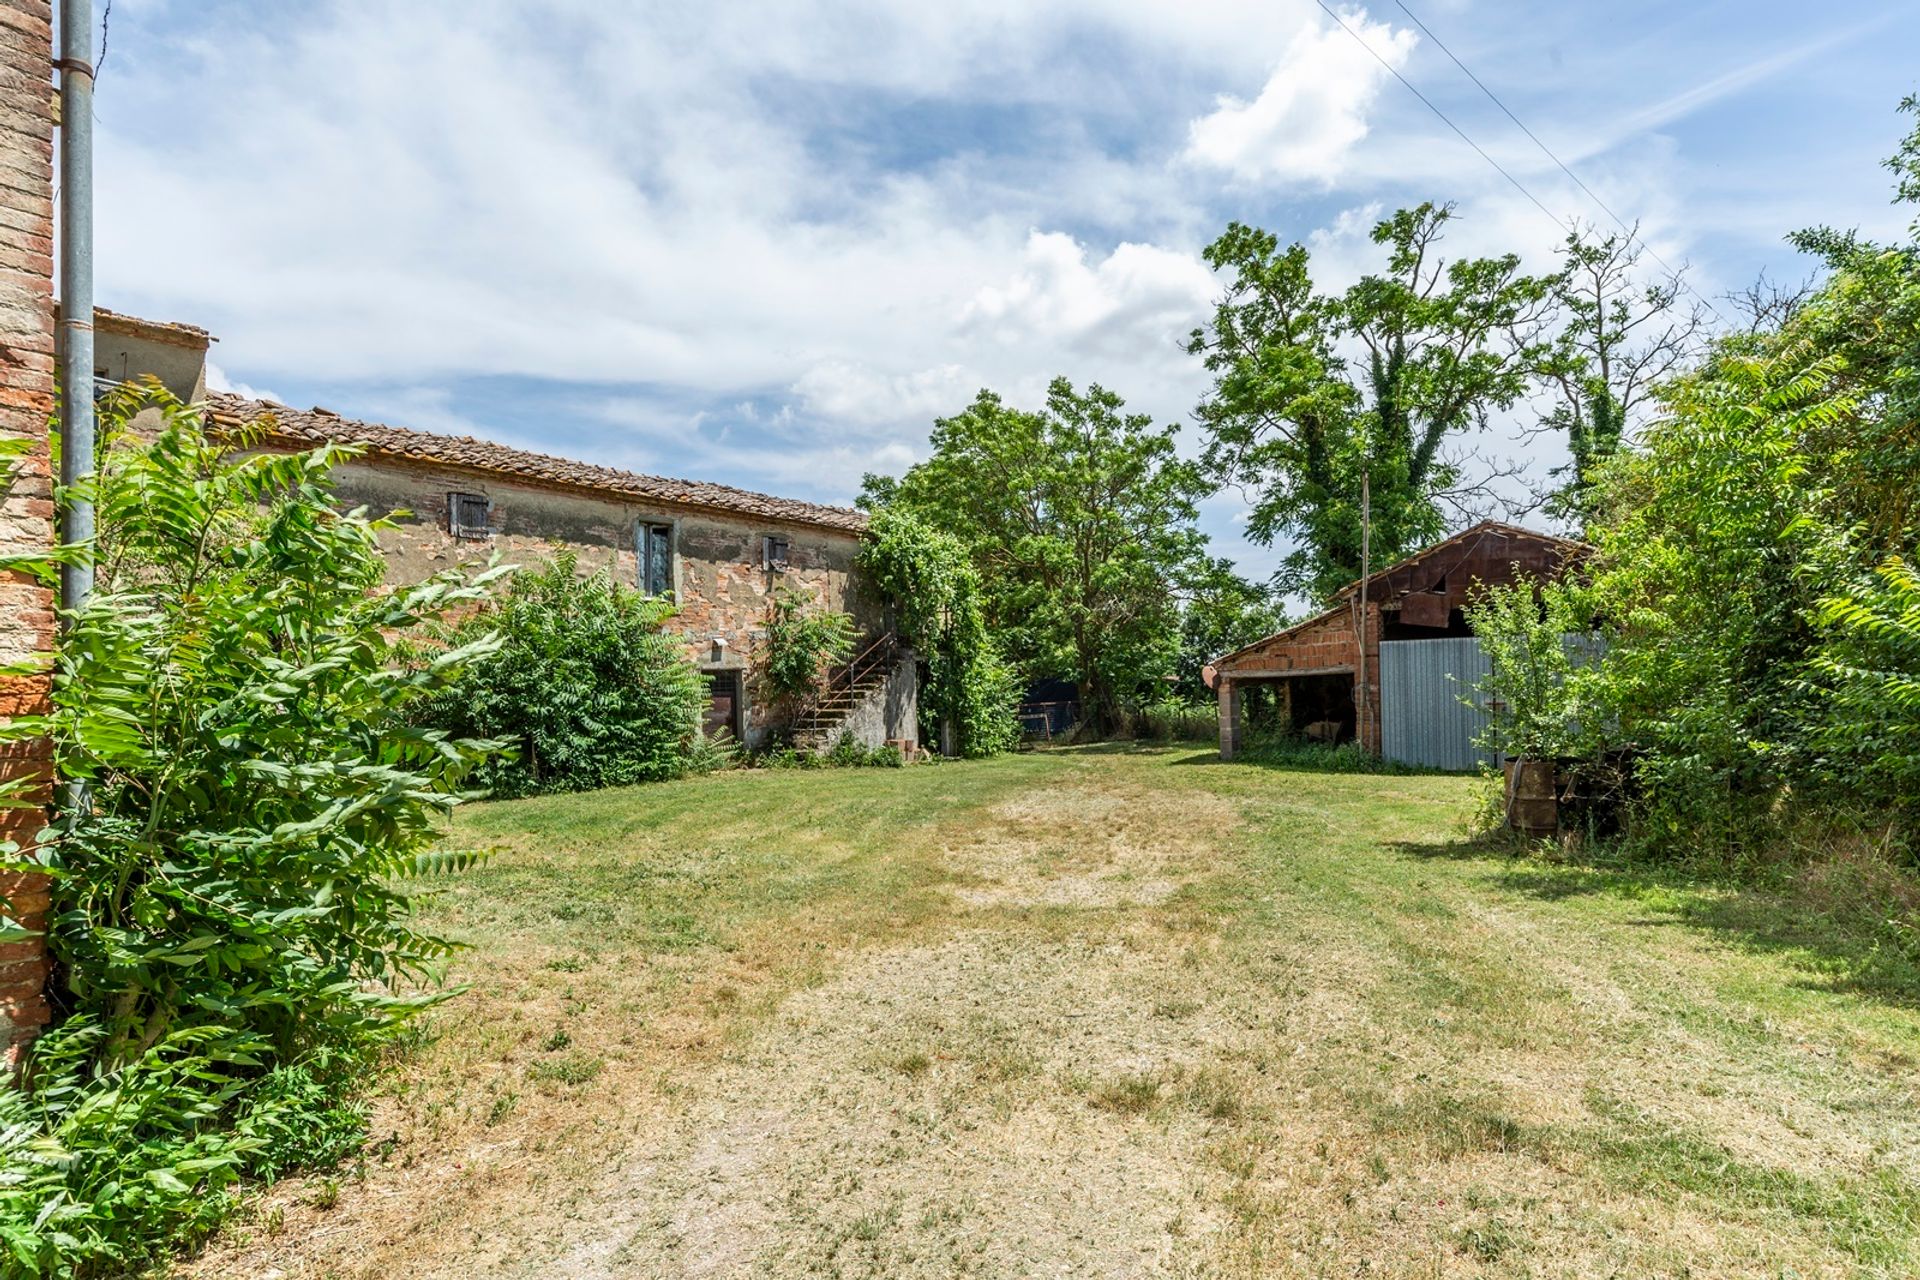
[(26, 505), (122, 356), (723, 589), (889, 713)]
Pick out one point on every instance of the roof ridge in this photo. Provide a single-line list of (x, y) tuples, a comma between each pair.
[(474, 453)]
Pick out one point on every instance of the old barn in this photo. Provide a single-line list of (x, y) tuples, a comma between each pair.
[(1403, 641)]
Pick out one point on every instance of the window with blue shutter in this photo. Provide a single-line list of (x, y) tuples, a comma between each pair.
[(656, 558)]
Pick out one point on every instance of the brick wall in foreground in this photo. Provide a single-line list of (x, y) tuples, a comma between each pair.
[(26, 505)]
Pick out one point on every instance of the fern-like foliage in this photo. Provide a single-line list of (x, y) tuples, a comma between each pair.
[(1871, 670), (225, 905)]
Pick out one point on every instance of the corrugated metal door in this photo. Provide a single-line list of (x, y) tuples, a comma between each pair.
[(1422, 718)]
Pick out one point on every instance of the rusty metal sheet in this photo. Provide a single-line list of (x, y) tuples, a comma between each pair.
[(1423, 609)]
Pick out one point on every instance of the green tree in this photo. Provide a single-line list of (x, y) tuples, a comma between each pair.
[(1754, 568), (925, 577), (1078, 517), (1297, 422), (1222, 612), (1621, 337), (803, 640)]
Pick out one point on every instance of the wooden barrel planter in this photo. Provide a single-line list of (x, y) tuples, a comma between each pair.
[(1533, 808)]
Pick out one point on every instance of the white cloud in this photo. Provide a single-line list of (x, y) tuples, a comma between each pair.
[(843, 391), (1138, 302), (217, 380), (1312, 112)]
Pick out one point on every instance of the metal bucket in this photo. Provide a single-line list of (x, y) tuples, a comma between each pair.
[(1533, 808)]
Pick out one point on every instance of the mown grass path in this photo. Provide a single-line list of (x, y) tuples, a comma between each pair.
[(1114, 1013)]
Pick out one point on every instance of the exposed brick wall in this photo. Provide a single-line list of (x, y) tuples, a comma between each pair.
[(26, 508), (723, 588), (1323, 645)]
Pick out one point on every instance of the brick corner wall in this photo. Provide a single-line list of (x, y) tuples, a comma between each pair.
[(26, 504)]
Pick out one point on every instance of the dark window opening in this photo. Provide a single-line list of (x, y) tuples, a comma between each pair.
[(656, 558), (776, 553), (725, 706), (1397, 626), (467, 515)]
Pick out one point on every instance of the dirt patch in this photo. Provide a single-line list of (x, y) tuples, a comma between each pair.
[(933, 1110), (1072, 846)]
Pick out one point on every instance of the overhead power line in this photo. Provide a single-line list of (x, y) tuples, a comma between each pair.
[(1632, 232), (1518, 185), (1395, 72)]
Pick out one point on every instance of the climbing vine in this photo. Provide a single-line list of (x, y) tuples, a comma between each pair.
[(925, 576)]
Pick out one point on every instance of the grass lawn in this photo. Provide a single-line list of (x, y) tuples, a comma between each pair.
[(1113, 1013)]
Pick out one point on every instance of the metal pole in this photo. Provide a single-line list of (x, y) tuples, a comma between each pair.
[(76, 290), (1360, 625), (76, 312)]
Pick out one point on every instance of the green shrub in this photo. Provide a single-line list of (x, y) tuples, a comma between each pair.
[(844, 754), (802, 642), (1530, 633), (1320, 757), (229, 936), (1170, 720), (587, 686), (1869, 668)]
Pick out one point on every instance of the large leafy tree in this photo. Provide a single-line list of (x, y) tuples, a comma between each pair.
[(1079, 517), (1622, 335), (1222, 611), (1755, 566), (1314, 392)]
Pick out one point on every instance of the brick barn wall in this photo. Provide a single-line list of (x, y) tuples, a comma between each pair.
[(1324, 644), (26, 506)]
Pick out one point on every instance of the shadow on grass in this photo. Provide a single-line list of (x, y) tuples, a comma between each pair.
[(1862, 942), (1313, 757)]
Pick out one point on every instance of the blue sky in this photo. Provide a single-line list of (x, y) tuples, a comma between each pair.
[(768, 242)]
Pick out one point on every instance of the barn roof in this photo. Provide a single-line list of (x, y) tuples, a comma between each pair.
[(304, 428), (1490, 539), (1466, 544)]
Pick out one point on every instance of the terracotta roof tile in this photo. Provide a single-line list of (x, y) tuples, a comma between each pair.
[(191, 336), (308, 427)]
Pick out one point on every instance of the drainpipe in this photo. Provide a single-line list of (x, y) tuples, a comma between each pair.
[(76, 309), (76, 289)]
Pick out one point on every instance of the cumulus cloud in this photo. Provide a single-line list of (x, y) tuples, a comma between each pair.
[(1312, 112), (217, 380), (844, 391), (770, 240), (1138, 299)]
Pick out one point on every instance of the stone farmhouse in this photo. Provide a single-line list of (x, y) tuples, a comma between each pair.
[(719, 552)]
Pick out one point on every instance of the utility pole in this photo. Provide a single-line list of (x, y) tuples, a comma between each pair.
[(76, 295), (1361, 700)]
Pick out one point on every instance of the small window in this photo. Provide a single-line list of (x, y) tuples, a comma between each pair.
[(776, 552), (656, 558), (467, 515)]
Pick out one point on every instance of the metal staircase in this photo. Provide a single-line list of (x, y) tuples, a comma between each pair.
[(845, 687)]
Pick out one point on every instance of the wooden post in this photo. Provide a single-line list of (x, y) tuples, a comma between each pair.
[(1230, 698)]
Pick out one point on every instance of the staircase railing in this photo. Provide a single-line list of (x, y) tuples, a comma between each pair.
[(877, 653)]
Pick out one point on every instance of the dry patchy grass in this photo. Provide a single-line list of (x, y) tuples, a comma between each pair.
[(1113, 1013)]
